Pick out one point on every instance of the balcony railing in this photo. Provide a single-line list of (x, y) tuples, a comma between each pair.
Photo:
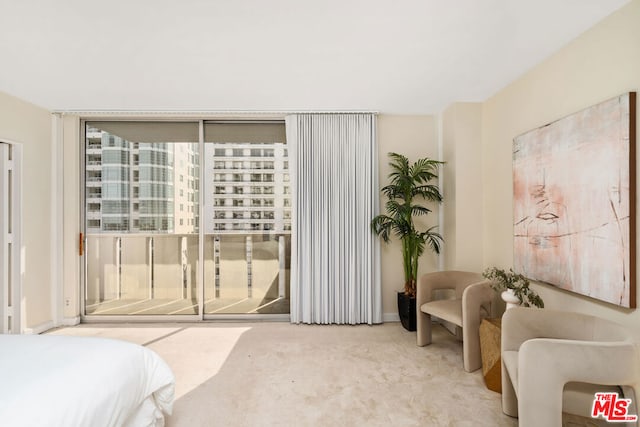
[(137, 272)]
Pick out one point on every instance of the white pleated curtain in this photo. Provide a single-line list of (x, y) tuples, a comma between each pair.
[(334, 255)]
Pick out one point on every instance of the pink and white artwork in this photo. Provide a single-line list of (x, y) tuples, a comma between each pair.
[(574, 202)]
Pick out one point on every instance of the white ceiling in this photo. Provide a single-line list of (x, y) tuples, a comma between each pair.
[(402, 56)]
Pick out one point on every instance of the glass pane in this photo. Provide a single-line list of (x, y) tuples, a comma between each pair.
[(247, 228), (142, 219)]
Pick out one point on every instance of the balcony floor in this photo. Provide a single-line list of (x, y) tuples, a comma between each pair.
[(167, 306)]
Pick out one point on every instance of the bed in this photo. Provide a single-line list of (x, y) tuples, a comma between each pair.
[(64, 381)]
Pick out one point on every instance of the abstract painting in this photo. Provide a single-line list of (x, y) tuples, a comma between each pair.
[(574, 202)]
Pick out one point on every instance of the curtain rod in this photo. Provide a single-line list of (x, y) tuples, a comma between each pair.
[(232, 113)]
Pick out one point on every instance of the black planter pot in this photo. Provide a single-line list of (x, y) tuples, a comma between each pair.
[(407, 311)]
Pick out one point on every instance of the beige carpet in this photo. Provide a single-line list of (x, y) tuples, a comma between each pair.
[(278, 374)]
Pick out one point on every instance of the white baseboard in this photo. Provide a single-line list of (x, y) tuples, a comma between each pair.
[(44, 327), (38, 329), (390, 317), (70, 321)]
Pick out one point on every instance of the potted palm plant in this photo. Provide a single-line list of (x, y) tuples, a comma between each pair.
[(409, 185)]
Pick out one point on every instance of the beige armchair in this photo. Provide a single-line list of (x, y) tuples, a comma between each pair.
[(554, 362), (472, 300)]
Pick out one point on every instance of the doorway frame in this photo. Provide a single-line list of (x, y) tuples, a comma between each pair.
[(12, 315), (201, 316)]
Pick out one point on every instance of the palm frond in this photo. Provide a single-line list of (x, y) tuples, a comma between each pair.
[(419, 210), (433, 239), (382, 226), (430, 192), (393, 208), (424, 170)]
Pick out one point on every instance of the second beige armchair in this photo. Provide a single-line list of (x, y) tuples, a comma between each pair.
[(555, 362), (473, 299)]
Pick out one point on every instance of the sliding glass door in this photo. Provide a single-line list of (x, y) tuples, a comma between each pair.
[(146, 253), (247, 210), (142, 243)]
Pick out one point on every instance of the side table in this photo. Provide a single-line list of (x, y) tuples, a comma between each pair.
[(490, 332)]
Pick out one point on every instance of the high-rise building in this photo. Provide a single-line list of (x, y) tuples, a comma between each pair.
[(186, 184), (146, 187), (149, 187), (249, 189)]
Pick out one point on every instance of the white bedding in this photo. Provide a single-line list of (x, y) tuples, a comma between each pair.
[(63, 381)]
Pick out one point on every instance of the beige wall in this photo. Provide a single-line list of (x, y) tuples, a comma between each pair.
[(462, 152), (600, 64), (414, 137), (30, 126)]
